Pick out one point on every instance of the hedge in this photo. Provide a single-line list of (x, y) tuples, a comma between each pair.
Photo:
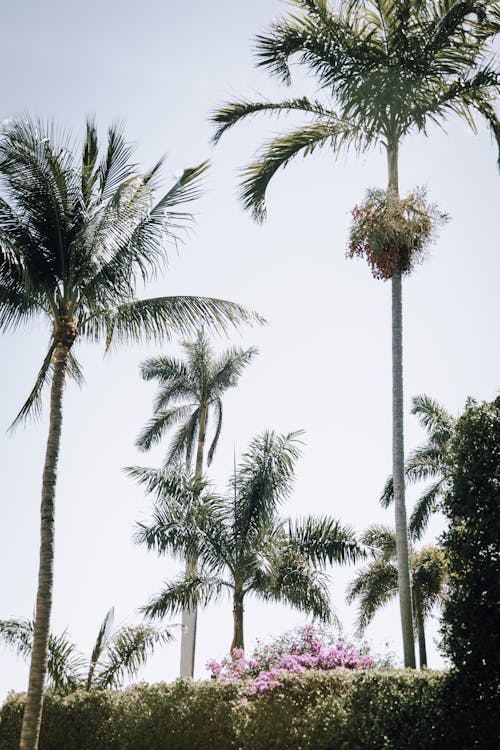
[(374, 710)]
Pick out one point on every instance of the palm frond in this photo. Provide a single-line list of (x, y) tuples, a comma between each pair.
[(159, 424), (183, 443), (292, 580), (324, 540), (127, 651), (279, 152), (164, 369), (387, 497), (65, 665), (100, 645), (431, 415), (217, 407), (232, 112), (161, 318), (18, 633), (374, 586), (33, 404), (186, 593), (381, 540), (264, 478), (425, 506)]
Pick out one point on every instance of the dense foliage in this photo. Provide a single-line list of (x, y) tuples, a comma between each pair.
[(392, 233), (470, 617), (374, 710)]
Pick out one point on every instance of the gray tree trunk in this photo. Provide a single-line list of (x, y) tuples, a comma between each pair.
[(32, 716), (398, 443), (190, 617), (422, 649)]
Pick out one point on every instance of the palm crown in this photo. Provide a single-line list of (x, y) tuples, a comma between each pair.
[(189, 390), (387, 68), (242, 544), (377, 583), (77, 235)]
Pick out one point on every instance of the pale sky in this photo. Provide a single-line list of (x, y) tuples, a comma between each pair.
[(324, 364)]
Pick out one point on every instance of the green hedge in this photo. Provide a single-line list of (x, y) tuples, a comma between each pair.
[(393, 710)]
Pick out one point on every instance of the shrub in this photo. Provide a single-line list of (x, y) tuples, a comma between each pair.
[(314, 710)]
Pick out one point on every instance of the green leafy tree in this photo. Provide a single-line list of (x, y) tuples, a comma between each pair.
[(116, 654), (385, 69), (429, 461), (242, 544), (471, 542), (76, 234), (191, 390), (377, 583)]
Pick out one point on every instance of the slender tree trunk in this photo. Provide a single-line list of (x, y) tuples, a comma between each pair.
[(422, 650), (190, 617), (398, 443), (237, 641), (38, 666)]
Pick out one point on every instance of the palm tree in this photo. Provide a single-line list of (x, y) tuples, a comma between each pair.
[(75, 236), (198, 383), (242, 545), (428, 461), (387, 68), (377, 583), (115, 656)]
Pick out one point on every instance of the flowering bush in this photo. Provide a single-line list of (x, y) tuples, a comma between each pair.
[(289, 655), (393, 233)]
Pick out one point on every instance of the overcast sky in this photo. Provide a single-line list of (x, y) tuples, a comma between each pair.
[(325, 360)]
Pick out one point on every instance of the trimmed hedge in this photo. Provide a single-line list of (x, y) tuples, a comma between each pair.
[(375, 710)]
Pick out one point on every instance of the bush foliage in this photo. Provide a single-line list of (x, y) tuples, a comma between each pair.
[(471, 636), (373, 710)]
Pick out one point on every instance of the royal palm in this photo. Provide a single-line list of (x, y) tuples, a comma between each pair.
[(385, 69), (190, 393), (76, 234), (242, 544)]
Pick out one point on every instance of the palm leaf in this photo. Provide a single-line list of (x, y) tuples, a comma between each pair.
[(185, 594), (324, 540), (127, 651), (100, 645)]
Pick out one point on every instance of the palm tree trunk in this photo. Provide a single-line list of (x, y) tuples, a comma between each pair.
[(398, 443), (422, 650), (38, 666), (237, 641), (190, 617)]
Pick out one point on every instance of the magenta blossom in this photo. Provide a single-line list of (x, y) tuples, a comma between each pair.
[(270, 663)]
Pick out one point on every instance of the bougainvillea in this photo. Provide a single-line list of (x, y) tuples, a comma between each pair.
[(392, 233), (289, 655)]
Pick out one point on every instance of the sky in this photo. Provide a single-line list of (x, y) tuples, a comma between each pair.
[(324, 362)]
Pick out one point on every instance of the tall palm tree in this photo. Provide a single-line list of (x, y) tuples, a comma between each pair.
[(116, 654), (387, 68), (242, 544), (377, 583), (428, 461), (76, 233), (198, 383)]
